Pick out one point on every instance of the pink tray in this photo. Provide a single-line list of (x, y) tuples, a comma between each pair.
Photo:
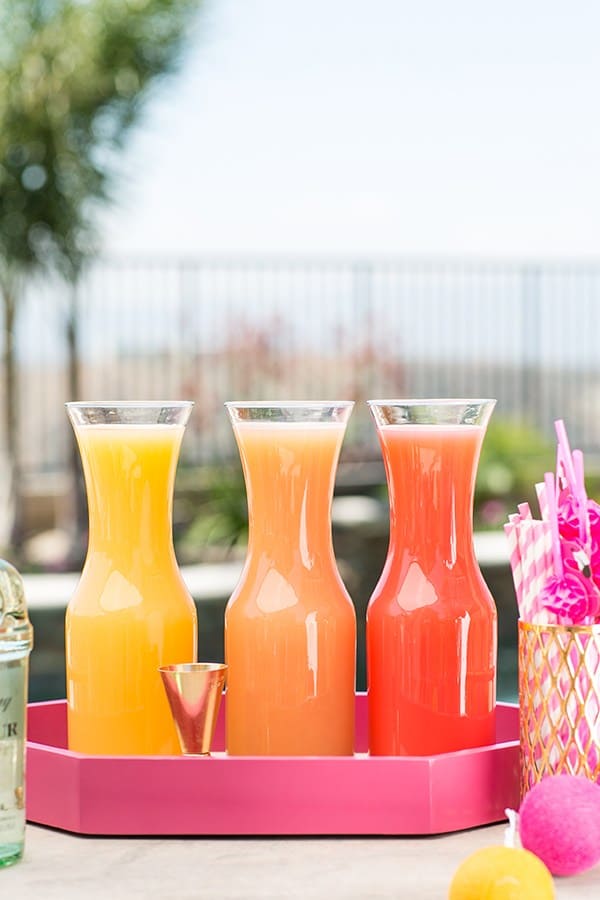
[(274, 795)]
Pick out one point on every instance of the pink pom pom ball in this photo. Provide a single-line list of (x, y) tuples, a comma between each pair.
[(559, 821)]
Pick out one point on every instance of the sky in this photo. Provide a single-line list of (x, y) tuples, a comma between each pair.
[(387, 127)]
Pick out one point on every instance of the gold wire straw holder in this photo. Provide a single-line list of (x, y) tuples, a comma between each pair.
[(559, 701)]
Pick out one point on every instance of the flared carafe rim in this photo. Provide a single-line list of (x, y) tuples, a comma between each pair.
[(433, 401), (289, 413), (287, 404), (129, 413), (432, 412), (128, 404)]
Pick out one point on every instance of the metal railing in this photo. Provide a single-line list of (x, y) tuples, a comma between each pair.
[(229, 328)]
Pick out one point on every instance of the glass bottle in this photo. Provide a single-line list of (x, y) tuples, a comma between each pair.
[(131, 611), (290, 626), (431, 622), (16, 641)]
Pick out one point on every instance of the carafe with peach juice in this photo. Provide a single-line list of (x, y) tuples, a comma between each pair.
[(131, 612), (290, 626), (431, 622)]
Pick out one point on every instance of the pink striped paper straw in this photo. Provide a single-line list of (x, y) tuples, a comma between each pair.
[(546, 569), (527, 572), (524, 511), (535, 545), (553, 519), (540, 490), (582, 500), (514, 556), (541, 538), (564, 454)]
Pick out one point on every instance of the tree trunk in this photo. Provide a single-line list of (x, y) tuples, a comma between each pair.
[(79, 503), (15, 530), (72, 333)]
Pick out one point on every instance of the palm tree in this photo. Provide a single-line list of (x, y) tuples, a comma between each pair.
[(74, 78)]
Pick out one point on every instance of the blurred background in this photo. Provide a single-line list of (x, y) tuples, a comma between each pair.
[(237, 199)]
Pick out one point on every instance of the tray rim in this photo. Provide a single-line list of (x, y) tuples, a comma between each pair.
[(220, 755), (247, 795)]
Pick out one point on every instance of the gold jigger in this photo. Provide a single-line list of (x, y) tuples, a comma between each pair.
[(194, 694)]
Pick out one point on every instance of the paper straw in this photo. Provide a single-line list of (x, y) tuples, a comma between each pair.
[(581, 496), (527, 608), (536, 565), (553, 519), (524, 511), (564, 452), (514, 556), (540, 490), (531, 561), (540, 557), (542, 537)]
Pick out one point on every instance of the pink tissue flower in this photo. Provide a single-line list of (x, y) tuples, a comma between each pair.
[(594, 519), (594, 512), (568, 516), (593, 509), (595, 563), (574, 598)]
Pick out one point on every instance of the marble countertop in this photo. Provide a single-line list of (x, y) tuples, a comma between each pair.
[(60, 866)]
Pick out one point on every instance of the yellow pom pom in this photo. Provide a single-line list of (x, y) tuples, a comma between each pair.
[(502, 873)]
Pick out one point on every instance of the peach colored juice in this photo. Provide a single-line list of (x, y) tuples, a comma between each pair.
[(132, 611), (431, 623), (290, 629)]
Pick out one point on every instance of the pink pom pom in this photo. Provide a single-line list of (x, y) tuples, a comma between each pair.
[(559, 821)]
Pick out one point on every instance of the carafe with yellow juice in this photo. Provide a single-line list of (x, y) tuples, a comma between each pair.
[(131, 612)]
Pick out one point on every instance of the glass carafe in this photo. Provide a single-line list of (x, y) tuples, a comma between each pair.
[(131, 612), (290, 626), (431, 622)]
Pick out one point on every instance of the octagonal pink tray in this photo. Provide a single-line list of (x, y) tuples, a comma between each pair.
[(256, 795)]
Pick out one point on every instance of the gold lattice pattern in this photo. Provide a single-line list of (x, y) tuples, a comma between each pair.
[(559, 697)]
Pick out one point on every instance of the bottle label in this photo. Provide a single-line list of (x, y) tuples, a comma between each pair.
[(13, 680)]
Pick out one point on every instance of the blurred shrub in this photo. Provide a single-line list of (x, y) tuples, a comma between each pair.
[(213, 519), (217, 520), (513, 459)]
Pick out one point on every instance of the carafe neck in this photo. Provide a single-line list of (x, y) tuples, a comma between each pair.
[(129, 473), (289, 472), (431, 477)]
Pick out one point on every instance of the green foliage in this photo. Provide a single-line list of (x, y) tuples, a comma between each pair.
[(513, 459), (74, 75), (220, 514)]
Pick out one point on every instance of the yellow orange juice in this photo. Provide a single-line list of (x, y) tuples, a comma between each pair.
[(290, 629), (132, 611)]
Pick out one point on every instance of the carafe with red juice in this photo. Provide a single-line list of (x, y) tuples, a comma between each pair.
[(431, 622)]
